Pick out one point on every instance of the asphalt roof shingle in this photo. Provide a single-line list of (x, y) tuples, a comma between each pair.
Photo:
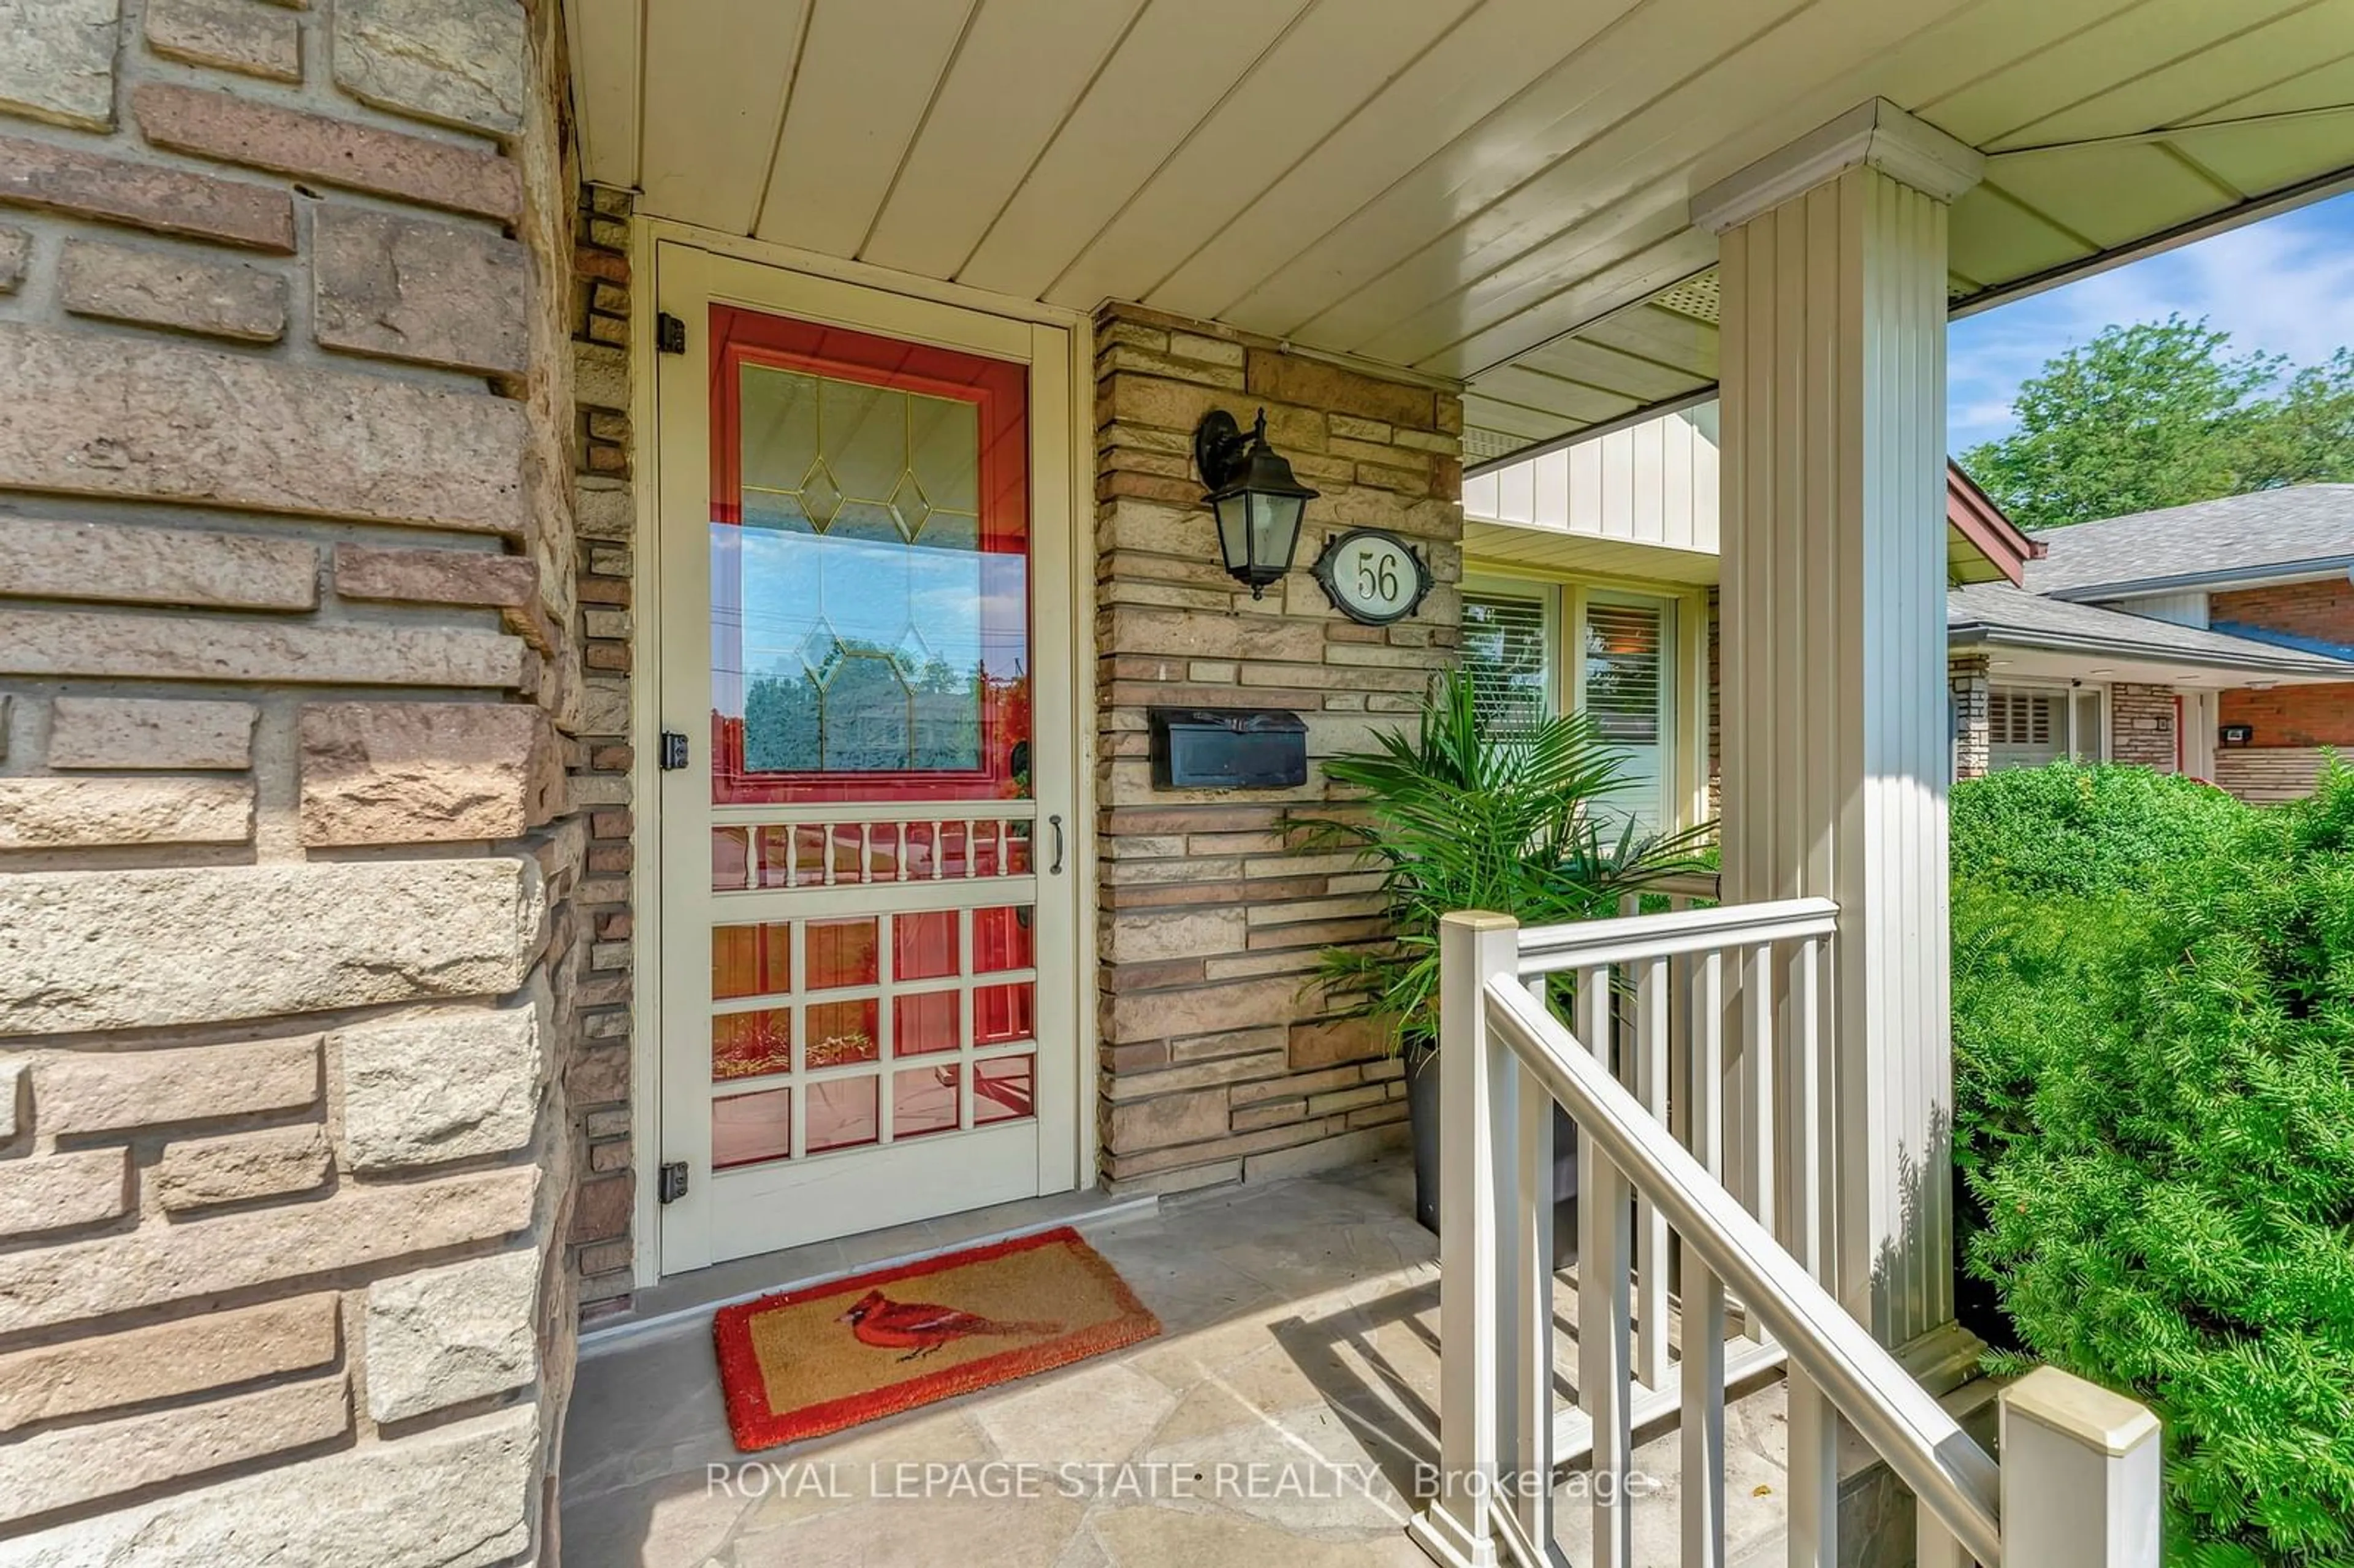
[(1998, 612), (2238, 533)]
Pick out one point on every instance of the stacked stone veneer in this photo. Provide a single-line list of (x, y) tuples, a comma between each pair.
[(1973, 717), (1220, 1060), (289, 687), (600, 1081), (2141, 726)]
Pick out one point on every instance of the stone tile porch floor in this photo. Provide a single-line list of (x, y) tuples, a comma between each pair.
[(1299, 1334)]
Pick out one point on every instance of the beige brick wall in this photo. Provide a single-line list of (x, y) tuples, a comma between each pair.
[(1219, 1061), (290, 689)]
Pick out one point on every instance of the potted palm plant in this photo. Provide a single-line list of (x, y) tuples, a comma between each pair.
[(1457, 814)]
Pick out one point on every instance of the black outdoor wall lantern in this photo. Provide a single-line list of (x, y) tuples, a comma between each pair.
[(1257, 502)]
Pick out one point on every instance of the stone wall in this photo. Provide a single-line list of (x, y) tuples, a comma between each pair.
[(2263, 774), (1220, 1061), (601, 1079), (2141, 726), (1966, 678), (288, 691)]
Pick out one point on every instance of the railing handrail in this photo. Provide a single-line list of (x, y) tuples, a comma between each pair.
[(1625, 939), (1921, 1443)]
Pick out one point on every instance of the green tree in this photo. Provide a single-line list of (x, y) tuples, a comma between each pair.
[(2156, 414)]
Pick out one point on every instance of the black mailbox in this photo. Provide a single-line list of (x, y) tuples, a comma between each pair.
[(2238, 734), (1228, 748)]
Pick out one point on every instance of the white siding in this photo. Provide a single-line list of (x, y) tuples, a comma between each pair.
[(1834, 681), (2178, 609), (1652, 484)]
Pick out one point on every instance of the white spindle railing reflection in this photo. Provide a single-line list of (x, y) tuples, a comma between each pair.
[(1695, 1031)]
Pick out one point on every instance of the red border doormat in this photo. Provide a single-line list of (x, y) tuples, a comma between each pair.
[(807, 1362)]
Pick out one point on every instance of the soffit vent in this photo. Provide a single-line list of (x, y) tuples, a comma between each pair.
[(1483, 446), (1696, 297)]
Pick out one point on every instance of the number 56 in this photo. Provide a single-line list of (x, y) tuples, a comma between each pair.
[(1377, 574)]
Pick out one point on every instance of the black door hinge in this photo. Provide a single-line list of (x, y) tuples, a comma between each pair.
[(673, 1182), (669, 333), (674, 751)]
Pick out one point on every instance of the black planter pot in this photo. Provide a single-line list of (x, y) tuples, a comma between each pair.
[(1422, 1116)]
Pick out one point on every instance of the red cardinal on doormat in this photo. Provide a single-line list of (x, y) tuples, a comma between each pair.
[(920, 1329)]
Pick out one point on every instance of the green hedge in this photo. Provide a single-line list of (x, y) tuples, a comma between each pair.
[(2064, 829), (2155, 1122)]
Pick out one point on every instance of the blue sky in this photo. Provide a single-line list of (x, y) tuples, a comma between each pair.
[(2285, 285)]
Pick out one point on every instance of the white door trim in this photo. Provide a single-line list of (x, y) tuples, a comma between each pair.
[(1074, 365)]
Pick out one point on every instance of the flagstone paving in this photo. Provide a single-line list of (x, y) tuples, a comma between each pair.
[(1280, 1416)]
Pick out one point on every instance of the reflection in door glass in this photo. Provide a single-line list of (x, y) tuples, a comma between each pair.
[(869, 569)]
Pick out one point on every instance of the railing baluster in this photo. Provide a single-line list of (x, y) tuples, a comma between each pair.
[(1703, 1293), (1605, 1253), (1651, 1226), (1810, 1223), (1757, 1096), (1813, 1462), (1933, 1545), (1532, 1415)]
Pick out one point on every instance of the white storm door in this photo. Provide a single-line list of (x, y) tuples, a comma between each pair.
[(869, 949)]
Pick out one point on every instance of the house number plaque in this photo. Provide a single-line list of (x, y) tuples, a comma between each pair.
[(1372, 575)]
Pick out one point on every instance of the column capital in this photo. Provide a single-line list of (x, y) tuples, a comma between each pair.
[(1875, 133)]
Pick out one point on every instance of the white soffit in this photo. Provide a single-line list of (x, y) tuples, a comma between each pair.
[(1497, 190)]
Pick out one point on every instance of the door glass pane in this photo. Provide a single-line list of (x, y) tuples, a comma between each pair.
[(1004, 1088), (923, 1023), (748, 1128), (1001, 939), (869, 569), (841, 953), (924, 946), (842, 1113), (924, 1099), (751, 961), (1003, 1013), (751, 1044), (841, 1033)]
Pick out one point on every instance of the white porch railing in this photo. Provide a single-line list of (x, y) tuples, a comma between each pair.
[(1664, 1245)]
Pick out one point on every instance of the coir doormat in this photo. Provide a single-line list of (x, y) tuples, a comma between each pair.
[(814, 1361)]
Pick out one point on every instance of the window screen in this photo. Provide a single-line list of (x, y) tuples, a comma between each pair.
[(1504, 653)]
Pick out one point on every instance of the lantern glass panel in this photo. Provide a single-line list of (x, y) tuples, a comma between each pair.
[(1235, 531), (1274, 529)]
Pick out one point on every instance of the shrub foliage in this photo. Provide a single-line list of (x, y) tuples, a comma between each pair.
[(2155, 1121)]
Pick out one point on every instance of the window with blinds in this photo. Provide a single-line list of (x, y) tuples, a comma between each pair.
[(2026, 728), (1504, 653), (1625, 670), (2022, 718)]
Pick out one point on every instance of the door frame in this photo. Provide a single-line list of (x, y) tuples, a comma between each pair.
[(874, 300)]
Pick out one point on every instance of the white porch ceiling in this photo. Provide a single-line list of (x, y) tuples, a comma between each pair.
[(1492, 190)]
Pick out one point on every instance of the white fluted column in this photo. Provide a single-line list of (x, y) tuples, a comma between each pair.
[(1833, 598)]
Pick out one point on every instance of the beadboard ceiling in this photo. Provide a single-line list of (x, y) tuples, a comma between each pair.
[(1493, 190)]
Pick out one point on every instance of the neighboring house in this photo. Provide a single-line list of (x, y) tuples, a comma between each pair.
[(1590, 582), (2213, 639)]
